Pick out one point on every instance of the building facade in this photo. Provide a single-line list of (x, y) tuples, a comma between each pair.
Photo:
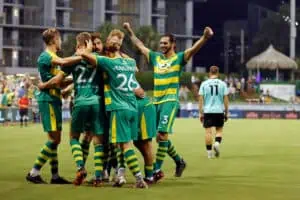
[(23, 21)]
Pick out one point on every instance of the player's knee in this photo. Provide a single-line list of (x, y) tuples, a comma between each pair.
[(162, 137)]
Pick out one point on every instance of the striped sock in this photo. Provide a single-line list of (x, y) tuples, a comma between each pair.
[(172, 152), (106, 156), (161, 154), (148, 171), (54, 161), (120, 157), (113, 156), (132, 162), (85, 146), (45, 154), (77, 153), (98, 160)]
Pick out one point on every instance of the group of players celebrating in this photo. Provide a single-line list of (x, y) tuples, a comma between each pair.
[(110, 107)]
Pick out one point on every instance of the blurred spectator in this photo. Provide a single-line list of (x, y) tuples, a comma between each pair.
[(183, 93), (23, 109)]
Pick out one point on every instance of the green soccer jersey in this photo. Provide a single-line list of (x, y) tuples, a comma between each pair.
[(121, 80), (142, 102), (167, 73), (86, 83), (48, 71), (213, 92)]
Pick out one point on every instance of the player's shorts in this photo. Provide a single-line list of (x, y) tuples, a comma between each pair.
[(123, 126), (23, 112), (165, 115), (146, 123), (87, 118), (213, 120), (51, 115)]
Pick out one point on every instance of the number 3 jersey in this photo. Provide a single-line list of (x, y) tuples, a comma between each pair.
[(121, 82), (86, 83), (213, 92)]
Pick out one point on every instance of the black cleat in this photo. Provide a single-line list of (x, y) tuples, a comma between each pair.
[(35, 179), (180, 166), (158, 176), (60, 180)]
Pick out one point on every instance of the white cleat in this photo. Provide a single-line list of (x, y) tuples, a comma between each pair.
[(210, 154), (120, 181), (217, 150)]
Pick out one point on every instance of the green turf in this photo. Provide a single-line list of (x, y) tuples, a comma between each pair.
[(260, 160)]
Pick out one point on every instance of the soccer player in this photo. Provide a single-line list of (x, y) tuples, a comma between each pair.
[(49, 101), (122, 104), (168, 66), (213, 100), (146, 131)]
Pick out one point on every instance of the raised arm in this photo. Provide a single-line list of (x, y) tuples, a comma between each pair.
[(207, 34), (53, 82), (68, 61), (138, 43)]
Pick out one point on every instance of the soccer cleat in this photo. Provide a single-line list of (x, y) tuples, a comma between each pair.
[(149, 181), (210, 155), (141, 184), (217, 150), (180, 166), (158, 176), (60, 180), (120, 181), (80, 176), (35, 179), (97, 183)]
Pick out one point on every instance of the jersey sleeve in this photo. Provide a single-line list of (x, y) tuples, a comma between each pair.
[(181, 60), (152, 57), (103, 63), (44, 67), (201, 90)]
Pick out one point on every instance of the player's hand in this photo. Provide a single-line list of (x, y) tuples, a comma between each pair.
[(201, 118), (208, 32), (139, 92), (126, 26), (79, 52), (89, 46), (41, 85), (226, 116)]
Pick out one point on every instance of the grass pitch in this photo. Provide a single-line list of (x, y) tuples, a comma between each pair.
[(260, 159)]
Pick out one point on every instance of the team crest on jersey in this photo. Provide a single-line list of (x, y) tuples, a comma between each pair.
[(164, 66)]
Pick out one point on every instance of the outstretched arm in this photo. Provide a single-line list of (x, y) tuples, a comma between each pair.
[(68, 61), (53, 82), (207, 34), (138, 43)]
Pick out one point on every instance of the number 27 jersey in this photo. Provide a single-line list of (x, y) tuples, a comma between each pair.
[(213, 92)]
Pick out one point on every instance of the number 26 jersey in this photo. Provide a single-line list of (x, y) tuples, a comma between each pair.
[(121, 82)]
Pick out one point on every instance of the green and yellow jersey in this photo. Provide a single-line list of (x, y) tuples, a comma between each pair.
[(167, 72), (46, 72)]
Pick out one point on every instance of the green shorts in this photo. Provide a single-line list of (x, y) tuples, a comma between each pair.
[(146, 123), (123, 126), (87, 118), (51, 115), (165, 115)]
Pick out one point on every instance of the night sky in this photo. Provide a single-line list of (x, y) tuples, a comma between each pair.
[(214, 13)]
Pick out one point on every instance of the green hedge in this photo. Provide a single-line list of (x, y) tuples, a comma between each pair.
[(146, 78)]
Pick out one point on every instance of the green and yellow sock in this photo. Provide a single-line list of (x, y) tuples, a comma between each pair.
[(85, 146), (172, 152), (54, 161), (44, 155), (132, 162), (77, 153), (98, 160), (120, 157), (161, 154), (148, 171)]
